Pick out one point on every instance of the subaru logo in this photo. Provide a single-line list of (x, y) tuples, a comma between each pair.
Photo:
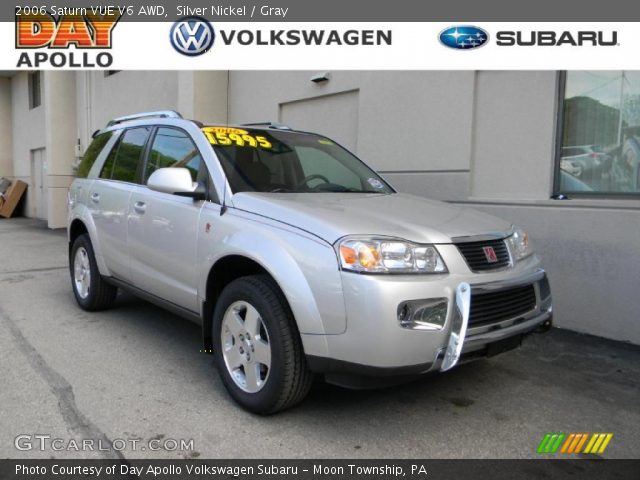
[(463, 37), (192, 36)]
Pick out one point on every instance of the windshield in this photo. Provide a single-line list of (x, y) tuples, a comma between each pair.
[(257, 160)]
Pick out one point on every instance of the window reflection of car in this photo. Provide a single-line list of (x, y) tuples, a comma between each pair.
[(572, 168), (626, 169), (569, 183), (582, 159)]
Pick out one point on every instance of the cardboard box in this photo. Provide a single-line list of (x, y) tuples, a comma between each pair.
[(12, 198)]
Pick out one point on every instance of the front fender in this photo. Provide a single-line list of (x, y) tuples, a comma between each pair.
[(305, 268)]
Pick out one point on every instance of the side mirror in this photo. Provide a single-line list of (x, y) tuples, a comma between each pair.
[(176, 181)]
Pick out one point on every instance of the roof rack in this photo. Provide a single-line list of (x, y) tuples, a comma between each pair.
[(138, 116), (279, 126)]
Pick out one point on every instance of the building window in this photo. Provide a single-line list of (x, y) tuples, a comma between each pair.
[(35, 89), (599, 137)]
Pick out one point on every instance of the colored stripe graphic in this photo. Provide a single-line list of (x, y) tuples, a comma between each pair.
[(598, 443), (567, 444), (551, 442), (590, 444), (573, 443), (578, 448), (605, 444), (543, 443)]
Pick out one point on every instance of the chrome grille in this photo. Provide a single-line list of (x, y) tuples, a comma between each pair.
[(493, 307), (476, 258)]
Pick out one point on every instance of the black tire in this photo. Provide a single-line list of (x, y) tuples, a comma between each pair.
[(100, 295), (289, 378)]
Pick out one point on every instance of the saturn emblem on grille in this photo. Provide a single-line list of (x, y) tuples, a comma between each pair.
[(490, 254)]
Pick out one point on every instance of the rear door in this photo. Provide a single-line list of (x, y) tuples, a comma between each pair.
[(109, 196), (163, 227)]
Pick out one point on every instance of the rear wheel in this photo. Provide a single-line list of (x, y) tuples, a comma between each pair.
[(257, 347), (91, 291)]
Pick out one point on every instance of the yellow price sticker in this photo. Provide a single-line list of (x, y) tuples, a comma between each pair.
[(227, 136)]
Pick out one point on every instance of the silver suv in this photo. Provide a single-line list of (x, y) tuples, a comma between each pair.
[(294, 256)]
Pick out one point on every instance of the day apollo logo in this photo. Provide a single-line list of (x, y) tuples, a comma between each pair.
[(67, 33), (463, 37), (192, 36)]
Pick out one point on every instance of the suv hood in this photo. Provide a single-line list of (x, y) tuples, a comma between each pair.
[(332, 216)]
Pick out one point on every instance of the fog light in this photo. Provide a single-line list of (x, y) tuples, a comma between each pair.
[(430, 314)]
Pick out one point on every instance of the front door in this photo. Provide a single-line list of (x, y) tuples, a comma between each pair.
[(163, 228)]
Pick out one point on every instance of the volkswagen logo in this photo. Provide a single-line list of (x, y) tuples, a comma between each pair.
[(463, 37), (192, 36)]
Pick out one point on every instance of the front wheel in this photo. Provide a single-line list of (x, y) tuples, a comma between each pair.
[(91, 291), (257, 347)]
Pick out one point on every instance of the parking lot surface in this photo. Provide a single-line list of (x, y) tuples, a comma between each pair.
[(136, 372)]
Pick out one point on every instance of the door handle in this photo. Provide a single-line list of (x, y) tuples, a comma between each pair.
[(140, 207), (95, 197)]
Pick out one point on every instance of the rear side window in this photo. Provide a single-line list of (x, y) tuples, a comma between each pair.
[(122, 163), (92, 153), (173, 148)]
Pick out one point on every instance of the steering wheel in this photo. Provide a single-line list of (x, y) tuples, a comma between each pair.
[(314, 176)]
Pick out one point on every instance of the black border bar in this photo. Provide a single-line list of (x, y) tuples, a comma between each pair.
[(388, 469), (460, 11)]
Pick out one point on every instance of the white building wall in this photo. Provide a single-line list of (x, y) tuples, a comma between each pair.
[(203, 95), (484, 140), (590, 247), (101, 98), (6, 128), (61, 137), (75, 104), (514, 135), (28, 134)]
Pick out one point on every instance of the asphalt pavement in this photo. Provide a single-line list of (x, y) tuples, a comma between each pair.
[(135, 375)]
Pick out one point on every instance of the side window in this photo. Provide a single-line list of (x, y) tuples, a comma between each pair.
[(92, 153), (122, 163), (174, 148)]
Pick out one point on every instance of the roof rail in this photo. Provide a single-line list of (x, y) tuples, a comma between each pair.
[(138, 116), (279, 126)]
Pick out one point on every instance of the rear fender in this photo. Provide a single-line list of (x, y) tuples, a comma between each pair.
[(81, 213)]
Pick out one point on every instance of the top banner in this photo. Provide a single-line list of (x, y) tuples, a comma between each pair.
[(194, 43), (337, 10)]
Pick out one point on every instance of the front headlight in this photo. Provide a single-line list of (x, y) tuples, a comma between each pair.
[(519, 244), (388, 255)]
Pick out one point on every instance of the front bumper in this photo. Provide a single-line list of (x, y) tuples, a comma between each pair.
[(375, 344)]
